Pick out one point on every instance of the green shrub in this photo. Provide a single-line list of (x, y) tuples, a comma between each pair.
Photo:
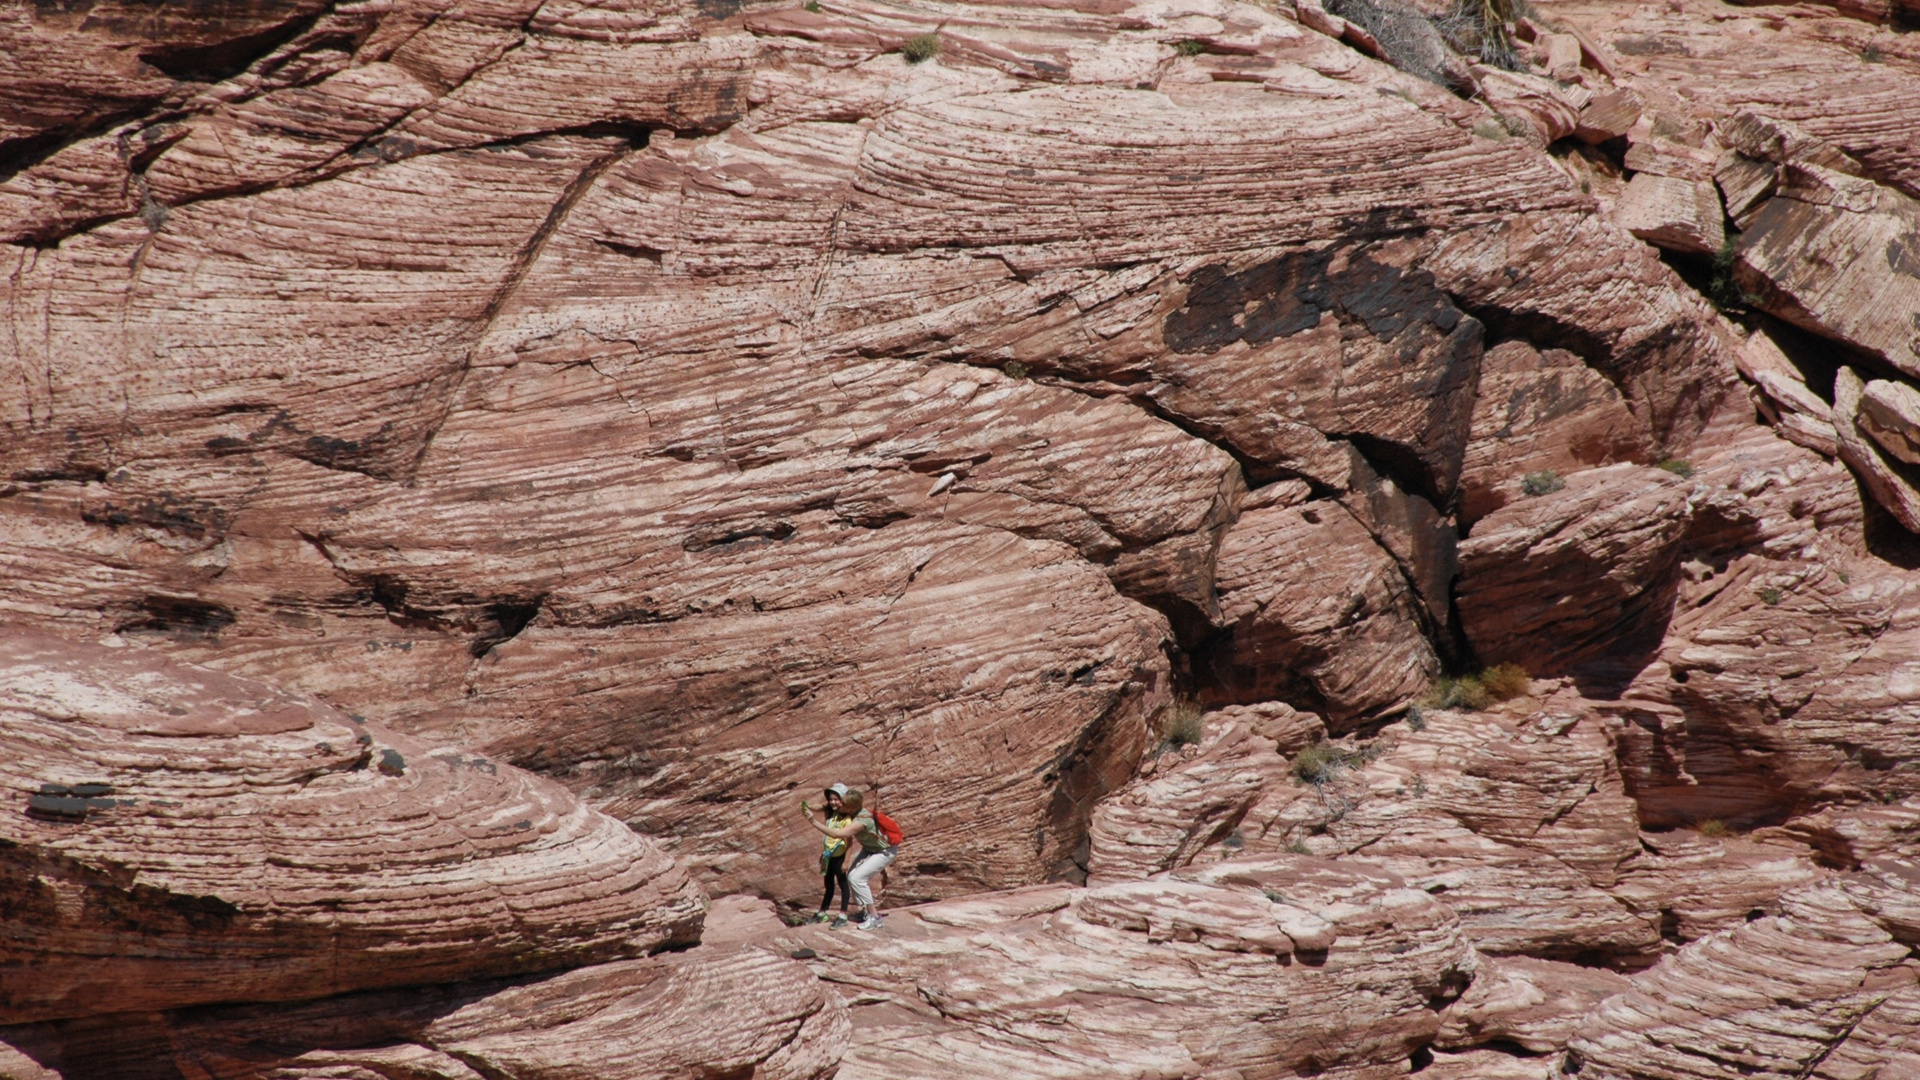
[(1714, 827), (1872, 54), (1726, 294), (1769, 596), (1677, 467), (1298, 847), (1015, 369), (813, 6), (1320, 763), (921, 47), (1544, 482), (1190, 47), (1416, 720)]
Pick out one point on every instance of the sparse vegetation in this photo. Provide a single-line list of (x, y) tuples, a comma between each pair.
[(921, 48), (1015, 369), (1419, 784), (1320, 763), (1726, 293), (1769, 595), (1714, 828), (813, 6), (1502, 682), (1677, 467), (1416, 720), (1544, 482), (1181, 725), (1872, 54), (1190, 47), (1299, 847), (1514, 126)]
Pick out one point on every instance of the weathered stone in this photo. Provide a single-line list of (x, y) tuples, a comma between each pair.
[(1541, 412), (646, 1019), (1554, 581), (1770, 998), (1169, 976), (1611, 114), (134, 888), (1319, 614), (1894, 484), (1534, 1004), (1673, 213), (1889, 414)]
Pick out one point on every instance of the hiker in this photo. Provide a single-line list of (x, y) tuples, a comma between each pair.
[(833, 855), (877, 849)]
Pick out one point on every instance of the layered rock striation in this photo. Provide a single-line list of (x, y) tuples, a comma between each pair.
[(1356, 540)]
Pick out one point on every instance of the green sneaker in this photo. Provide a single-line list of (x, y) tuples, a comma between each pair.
[(821, 916)]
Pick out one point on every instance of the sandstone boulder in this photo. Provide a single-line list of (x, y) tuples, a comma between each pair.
[(1861, 434), (180, 836), (1189, 799), (1534, 1004), (1673, 213), (1571, 576), (1541, 411), (1318, 613)]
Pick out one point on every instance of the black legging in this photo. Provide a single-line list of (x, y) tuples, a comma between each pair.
[(834, 869)]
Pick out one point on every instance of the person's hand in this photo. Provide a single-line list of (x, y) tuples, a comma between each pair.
[(805, 809)]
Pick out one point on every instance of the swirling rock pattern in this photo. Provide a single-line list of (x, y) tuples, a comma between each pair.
[(178, 836)]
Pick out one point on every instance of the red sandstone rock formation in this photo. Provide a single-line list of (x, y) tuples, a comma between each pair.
[(1096, 432)]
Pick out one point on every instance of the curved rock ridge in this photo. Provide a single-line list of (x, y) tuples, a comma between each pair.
[(643, 1019), (1251, 967), (179, 836), (1822, 989)]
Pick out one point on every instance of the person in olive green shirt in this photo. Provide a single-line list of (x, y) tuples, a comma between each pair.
[(875, 853)]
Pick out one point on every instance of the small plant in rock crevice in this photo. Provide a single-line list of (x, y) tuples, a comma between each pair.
[(1544, 482), (1713, 828), (1416, 719), (921, 48), (1190, 47), (1182, 725), (1014, 369), (813, 6), (1722, 289), (1677, 467), (1872, 54), (1502, 682), (1769, 596)]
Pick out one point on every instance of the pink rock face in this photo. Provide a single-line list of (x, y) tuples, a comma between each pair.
[(645, 1019), (1177, 976), (179, 836), (1571, 576), (1541, 412), (1803, 983), (1355, 650), (1093, 430)]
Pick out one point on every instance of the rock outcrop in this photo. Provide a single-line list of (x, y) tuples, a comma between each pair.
[(180, 836), (1356, 541), (1251, 966)]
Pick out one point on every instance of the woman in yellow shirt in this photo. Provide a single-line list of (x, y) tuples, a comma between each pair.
[(833, 854)]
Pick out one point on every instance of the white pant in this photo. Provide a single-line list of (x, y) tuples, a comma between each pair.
[(863, 869)]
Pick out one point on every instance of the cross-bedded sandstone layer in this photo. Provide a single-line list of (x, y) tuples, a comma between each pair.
[(1106, 432)]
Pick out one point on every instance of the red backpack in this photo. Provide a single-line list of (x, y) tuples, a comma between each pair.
[(889, 829)]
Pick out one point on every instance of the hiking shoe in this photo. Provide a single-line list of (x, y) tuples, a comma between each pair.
[(871, 922), (839, 923), (821, 916)]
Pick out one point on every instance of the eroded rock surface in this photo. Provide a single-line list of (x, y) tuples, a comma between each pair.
[(179, 836), (1248, 966)]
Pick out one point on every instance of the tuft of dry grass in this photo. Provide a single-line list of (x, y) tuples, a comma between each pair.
[(1713, 828), (1181, 725), (1502, 682), (921, 47)]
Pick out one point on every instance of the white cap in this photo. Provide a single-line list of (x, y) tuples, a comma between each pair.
[(840, 790)]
